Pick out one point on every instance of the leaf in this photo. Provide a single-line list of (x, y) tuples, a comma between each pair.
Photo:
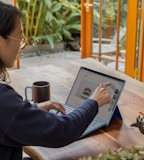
[(76, 27), (50, 40), (48, 3), (56, 7), (72, 17), (67, 4), (49, 16)]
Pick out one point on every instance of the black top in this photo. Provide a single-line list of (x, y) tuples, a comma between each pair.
[(23, 124)]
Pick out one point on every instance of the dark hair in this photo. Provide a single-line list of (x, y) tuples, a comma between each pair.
[(8, 15)]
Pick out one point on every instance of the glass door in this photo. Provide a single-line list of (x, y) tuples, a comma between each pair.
[(112, 32), (135, 40), (109, 32)]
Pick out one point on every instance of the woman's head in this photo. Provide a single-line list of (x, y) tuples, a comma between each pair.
[(10, 36), (8, 15)]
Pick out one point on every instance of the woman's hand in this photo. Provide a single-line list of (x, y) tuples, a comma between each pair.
[(48, 105), (101, 95)]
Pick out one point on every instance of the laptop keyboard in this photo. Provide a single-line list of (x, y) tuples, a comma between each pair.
[(94, 125), (68, 109)]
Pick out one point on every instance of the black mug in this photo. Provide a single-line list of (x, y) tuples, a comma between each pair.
[(40, 91)]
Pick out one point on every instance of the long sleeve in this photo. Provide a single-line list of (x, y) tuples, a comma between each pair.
[(24, 124)]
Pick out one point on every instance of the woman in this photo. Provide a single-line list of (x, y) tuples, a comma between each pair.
[(22, 123)]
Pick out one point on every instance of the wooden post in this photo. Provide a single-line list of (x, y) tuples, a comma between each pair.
[(18, 56), (86, 28), (131, 37)]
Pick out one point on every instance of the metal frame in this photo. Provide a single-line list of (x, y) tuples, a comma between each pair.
[(131, 37)]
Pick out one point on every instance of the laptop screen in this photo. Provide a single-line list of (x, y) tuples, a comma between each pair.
[(86, 82)]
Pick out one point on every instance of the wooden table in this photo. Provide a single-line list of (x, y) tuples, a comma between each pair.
[(61, 72)]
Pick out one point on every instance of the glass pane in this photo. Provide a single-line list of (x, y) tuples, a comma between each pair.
[(109, 32), (138, 33)]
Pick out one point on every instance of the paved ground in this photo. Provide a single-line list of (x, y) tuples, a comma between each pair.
[(44, 58)]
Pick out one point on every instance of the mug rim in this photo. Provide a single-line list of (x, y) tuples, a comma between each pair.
[(41, 83)]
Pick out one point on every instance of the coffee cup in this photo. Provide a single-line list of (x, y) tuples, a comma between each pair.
[(40, 91)]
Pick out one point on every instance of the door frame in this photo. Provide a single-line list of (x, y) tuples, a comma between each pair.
[(141, 53), (86, 29)]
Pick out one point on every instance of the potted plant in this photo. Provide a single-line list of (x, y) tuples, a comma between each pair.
[(49, 21), (134, 153)]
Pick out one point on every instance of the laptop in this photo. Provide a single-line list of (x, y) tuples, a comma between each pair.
[(85, 83)]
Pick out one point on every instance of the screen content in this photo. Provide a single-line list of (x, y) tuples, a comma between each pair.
[(85, 84)]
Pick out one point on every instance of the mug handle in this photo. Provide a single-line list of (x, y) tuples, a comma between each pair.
[(26, 90)]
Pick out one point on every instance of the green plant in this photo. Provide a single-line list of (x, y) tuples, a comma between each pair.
[(49, 21), (134, 153)]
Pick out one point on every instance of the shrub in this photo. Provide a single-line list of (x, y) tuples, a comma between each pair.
[(49, 21)]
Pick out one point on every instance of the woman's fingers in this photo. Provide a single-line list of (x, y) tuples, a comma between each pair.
[(48, 105), (105, 84), (101, 95), (59, 107)]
